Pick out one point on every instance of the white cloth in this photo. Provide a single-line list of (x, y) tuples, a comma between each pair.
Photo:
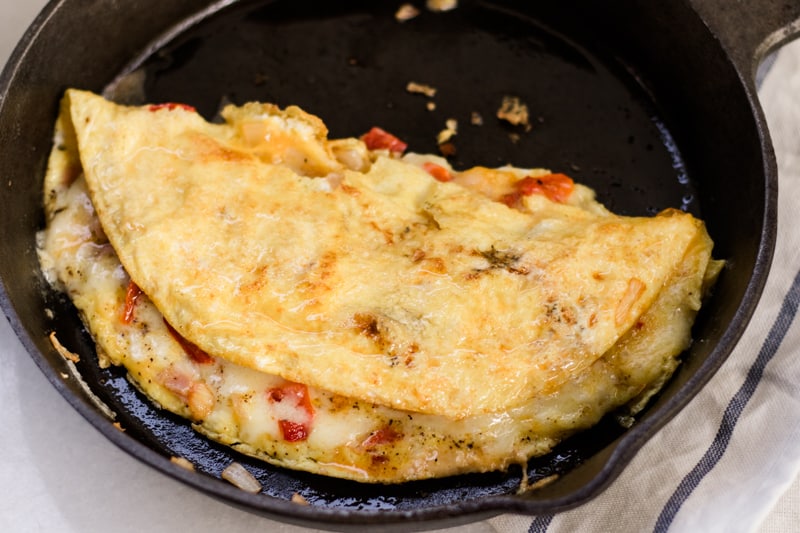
[(60, 475)]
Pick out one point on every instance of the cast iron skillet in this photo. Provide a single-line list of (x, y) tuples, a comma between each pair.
[(651, 103)]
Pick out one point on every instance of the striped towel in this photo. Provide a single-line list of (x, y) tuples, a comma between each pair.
[(723, 462)]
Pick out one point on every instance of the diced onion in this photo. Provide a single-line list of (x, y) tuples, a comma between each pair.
[(239, 476), (441, 5), (406, 12), (182, 462), (299, 499)]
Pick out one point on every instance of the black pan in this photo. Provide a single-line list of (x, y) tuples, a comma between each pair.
[(651, 103)]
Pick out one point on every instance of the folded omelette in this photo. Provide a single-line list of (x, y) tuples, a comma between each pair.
[(338, 307)]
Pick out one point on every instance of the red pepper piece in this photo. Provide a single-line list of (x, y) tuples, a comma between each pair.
[(384, 435), (169, 106), (296, 393), (556, 187), (131, 295), (378, 139), (437, 171), (195, 354), (292, 431)]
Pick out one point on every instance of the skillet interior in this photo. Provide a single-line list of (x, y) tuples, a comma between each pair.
[(644, 130)]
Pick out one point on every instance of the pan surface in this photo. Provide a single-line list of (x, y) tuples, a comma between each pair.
[(645, 134)]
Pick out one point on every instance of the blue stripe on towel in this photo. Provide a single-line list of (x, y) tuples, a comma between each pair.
[(734, 410), (540, 524)]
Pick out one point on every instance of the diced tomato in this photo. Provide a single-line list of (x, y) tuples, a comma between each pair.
[(195, 354), (169, 106), (131, 295), (378, 139), (384, 435), (511, 199), (297, 394), (292, 431), (437, 171), (556, 187)]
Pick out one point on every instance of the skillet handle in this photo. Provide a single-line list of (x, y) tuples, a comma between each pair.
[(750, 29)]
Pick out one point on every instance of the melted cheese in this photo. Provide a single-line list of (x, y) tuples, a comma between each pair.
[(366, 417), (397, 280)]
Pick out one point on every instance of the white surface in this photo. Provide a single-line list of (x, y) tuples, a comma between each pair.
[(58, 474)]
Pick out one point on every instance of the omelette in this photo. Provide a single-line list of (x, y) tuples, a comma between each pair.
[(342, 307)]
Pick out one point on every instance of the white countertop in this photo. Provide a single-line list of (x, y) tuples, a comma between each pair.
[(58, 474)]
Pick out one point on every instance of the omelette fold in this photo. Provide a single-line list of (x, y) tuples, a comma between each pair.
[(338, 307)]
